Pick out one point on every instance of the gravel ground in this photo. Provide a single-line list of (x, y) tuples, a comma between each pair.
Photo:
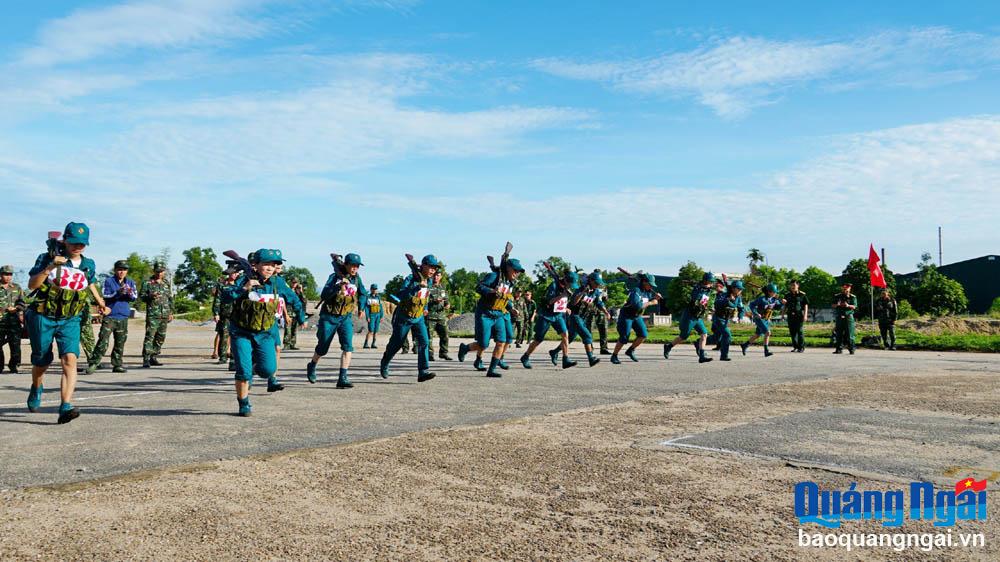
[(586, 484)]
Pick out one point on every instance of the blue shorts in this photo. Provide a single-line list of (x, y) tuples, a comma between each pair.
[(509, 326), (626, 325), (276, 334), (763, 326), (253, 352), (578, 327), (542, 324), (42, 331), (490, 326), (330, 325), (687, 324), (374, 321)]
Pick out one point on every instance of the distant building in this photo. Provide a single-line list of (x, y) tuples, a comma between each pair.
[(979, 276)]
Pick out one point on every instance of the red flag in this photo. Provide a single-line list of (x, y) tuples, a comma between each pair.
[(970, 484), (874, 270)]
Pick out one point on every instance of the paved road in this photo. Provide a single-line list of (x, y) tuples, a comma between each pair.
[(183, 412)]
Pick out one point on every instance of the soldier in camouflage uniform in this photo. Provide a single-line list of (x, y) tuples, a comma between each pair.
[(11, 317), (292, 328), (159, 312), (530, 307), (517, 315), (598, 318), (221, 313), (87, 340), (437, 318), (118, 292)]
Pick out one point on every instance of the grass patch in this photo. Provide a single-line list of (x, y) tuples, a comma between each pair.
[(818, 335)]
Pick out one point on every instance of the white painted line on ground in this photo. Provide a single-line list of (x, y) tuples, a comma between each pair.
[(143, 393)]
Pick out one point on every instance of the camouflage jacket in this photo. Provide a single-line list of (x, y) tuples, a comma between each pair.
[(159, 301), (219, 308), (437, 303), (11, 296)]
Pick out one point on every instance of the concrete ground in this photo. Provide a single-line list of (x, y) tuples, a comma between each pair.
[(656, 459)]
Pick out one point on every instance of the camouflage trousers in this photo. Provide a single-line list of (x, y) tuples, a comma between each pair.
[(87, 340), (222, 328), (601, 320), (291, 332), (10, 336), (156, 332), (118, 327), (437, 326)]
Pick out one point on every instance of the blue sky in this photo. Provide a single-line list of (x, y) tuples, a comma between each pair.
[(637, 134)]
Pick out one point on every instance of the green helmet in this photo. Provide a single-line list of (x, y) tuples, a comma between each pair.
[(771, 288)]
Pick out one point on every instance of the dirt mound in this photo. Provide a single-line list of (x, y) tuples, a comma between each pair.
[(952, 325)]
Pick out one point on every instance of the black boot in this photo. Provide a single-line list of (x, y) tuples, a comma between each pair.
[(145, 362)]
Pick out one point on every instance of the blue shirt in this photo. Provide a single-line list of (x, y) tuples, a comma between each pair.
[(334, 282), (87, 266), (118, 301), (763, 306), (274, 285), (636, 302), (726, 305)]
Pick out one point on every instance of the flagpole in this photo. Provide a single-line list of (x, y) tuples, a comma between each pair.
[(871, 293)]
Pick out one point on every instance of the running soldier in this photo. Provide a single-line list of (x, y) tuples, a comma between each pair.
[(343, 295), (374, 313), (693, 318), (762, 309), (409, 316)]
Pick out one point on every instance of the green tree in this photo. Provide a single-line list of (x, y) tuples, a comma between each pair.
[(198, 274), (819, 286), (994, 310), (393, 286), (462, 290), (857, 274), (679, 290), (755, 256), (938, 295), (617, 293), (904, 310), (306, 278)]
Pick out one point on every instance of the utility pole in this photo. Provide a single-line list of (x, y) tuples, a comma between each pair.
[(940, 249), (883, 257)]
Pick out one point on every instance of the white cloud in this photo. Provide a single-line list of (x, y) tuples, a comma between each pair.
[(736, 74), (91, 32)]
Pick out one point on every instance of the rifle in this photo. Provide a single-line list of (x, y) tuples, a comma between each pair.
[(414, 267), (337, 261), (242, 264), (53, 246), (560, 281)]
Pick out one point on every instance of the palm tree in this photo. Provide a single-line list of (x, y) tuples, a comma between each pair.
[(755, 256)]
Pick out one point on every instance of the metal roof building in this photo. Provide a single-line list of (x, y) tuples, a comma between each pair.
[(979, 276)]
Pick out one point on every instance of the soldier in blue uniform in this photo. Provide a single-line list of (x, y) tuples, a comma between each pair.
[(728, 307), (342, 296), (496, 294), (641, 296), (409, 317), (761, 309), (587, 302), (693, 318), (255, 301), (553, 314), (374, 309), (62, 281)]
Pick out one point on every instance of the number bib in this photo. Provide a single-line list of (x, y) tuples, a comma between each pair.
[(69, 278), (262, 297), (348, 290), (560, 305)]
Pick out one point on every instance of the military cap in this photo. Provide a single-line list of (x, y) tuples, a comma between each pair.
[(736, 285), (648, 278), (265, 255), (159, 266), (121, 264), (573, 278), (76, 233), (708, 277), (8, 269), (430, 260), (352, 259), (771, 288), (596, 278), (515, 264)]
